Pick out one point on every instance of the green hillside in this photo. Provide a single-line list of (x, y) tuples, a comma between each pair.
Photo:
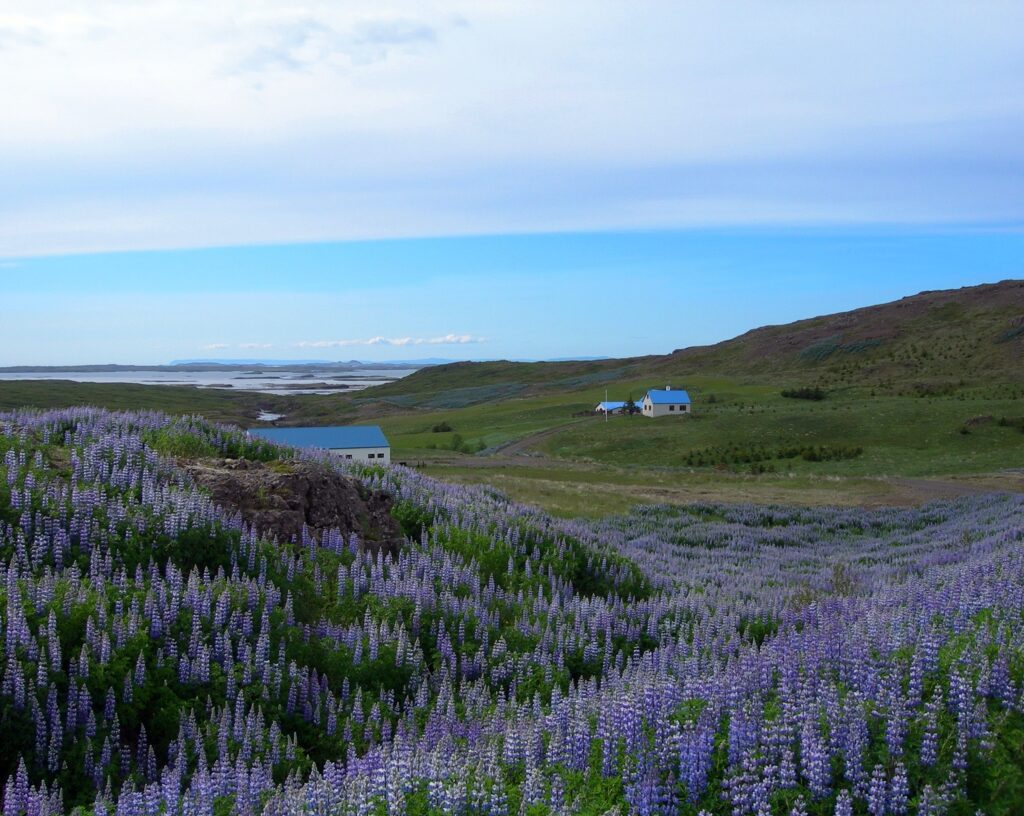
[(933, 340), (930, 343)]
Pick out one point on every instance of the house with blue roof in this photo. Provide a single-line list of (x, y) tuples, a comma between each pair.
[(607, 407), (365, 443), (668, 401)]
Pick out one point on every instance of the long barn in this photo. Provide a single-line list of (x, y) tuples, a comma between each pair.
[(357, 442)]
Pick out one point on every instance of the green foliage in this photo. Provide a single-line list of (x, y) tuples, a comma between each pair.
[(178, 443), (1012, 422), (819, 351), (192, 438), (413, 518), (1011, 333), (806, 393), (760, 457), (824, 349)]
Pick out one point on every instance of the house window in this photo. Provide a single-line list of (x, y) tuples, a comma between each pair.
[(671, 407), (348, 455)]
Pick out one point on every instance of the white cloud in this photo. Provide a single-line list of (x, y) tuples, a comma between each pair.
[(255, 345), (445, 340), (168, 124), (301, 43), (216, 346)]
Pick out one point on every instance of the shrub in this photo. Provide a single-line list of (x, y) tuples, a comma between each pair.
[(1012, 422), (805, 393), (441, 427)]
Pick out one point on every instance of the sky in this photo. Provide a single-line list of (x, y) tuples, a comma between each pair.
[(491, 179)]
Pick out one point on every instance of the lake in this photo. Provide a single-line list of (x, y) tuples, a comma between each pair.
[(278, 381)]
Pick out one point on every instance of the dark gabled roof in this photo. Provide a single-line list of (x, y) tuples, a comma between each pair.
[(335, 436)]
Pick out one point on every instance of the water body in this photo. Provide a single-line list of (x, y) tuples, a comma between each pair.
[(278, 381)]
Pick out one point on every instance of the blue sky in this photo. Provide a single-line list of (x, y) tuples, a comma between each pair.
[(508, 179), (483, 297)]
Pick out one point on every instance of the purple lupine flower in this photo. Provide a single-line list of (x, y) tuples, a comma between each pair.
[(877, 792), (844, 804)]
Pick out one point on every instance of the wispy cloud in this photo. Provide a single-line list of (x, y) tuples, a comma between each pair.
[(445, 340), (222, 346), (17, 36), (300, 43)]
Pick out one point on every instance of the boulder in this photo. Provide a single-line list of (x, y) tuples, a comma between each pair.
[(278, 498)]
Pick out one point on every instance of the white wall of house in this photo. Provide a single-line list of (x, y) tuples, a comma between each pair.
[(649, 409), (378, 455)]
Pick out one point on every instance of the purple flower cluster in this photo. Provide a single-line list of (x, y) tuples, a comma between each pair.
[(158, 656)]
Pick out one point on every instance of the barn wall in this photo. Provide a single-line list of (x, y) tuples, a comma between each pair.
[(376, 455)]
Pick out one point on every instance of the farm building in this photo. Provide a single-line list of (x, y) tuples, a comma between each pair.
[(610, 407), (360, 442), (665, 402)]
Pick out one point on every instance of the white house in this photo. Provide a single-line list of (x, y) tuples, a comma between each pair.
[(364, 443), (610, 407), (667, 402)]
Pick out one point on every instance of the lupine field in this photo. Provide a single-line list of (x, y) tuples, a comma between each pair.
[(158, 657)]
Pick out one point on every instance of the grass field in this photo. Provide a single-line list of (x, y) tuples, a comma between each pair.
[(744, 441), (912, 449), (908, 436)]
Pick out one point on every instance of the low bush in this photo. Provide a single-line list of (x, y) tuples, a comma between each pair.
[(804, 393), (757, 455)]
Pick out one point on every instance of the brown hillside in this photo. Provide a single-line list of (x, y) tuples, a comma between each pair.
[(972, 332)]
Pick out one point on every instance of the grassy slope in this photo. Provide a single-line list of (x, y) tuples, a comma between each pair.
[(973, 335), (592, 467), (934, 342)]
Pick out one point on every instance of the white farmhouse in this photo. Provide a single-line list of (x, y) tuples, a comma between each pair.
[(610, 407), (364, 443), (667, 402)]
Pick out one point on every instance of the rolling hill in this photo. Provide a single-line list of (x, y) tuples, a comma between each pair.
[(932, 342), (932, 335)]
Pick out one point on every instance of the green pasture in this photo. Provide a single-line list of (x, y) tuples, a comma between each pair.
[(906, 436), (729, 449), (909, 436)]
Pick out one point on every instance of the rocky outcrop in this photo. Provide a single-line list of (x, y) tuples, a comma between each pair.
[(279, 497)]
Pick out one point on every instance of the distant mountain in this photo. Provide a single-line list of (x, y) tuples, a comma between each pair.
[(342, 364), (248, 362), (223, 365)]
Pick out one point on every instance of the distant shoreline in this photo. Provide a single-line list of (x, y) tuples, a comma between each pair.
[(202, 367)]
